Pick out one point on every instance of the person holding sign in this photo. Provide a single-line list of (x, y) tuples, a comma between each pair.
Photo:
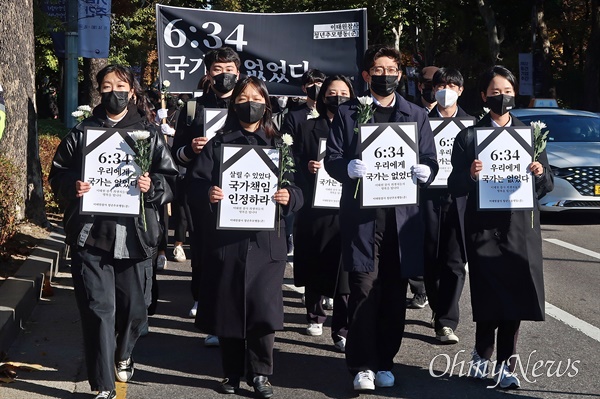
[(445, 255), (381, 246), (240, 298), (504, 247), (223, 70), (317, 260), (112, 254)]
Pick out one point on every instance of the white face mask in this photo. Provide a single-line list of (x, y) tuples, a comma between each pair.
[(446, 97), (282, 101)]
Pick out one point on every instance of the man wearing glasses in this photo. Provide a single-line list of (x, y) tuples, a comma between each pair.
[(381, 247)]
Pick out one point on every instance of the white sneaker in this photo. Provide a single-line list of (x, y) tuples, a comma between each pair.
[(124, 370), (341, 344), (161, 262), (106, 395), (211, 340), (314, 329), (384, 379), (179, 254), (194, 310), (446, 335), (364, 380), (505, 379), (478, 366), (328, 303)]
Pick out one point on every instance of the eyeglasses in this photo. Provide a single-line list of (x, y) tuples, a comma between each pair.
[(378, 71)]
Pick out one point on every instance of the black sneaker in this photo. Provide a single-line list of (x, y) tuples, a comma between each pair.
[(124, 370), (106, 395), (419, 301)]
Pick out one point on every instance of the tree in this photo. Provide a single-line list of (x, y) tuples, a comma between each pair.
[(591, 92), (17, 76)]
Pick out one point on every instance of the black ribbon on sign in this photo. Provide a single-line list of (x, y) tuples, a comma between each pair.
[(321, 155), (245, 149), (447, 121), (104, 136), (381, 127), (510, 130), (218, 118)]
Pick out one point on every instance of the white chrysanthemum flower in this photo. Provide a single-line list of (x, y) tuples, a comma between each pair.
[(138, 135), (287, 139), (77, 114), (538, 125), (314, 114), (486, 110), (180, 102), (166, 84), (365, 100), (85, 108)]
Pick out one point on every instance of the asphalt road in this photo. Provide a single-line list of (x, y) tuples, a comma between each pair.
[(560, 357)]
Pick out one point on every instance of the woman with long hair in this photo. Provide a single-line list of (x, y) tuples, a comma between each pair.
[(240, 297), (317, 256), (112, 255)]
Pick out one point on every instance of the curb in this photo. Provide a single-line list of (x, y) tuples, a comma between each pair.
[(20, 293)]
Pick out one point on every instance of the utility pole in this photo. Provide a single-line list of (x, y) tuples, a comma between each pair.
[(71, 65)]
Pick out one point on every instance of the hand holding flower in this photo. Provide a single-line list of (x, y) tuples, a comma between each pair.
[(536, 168), (144, 182), (282, 196), (215, 194)]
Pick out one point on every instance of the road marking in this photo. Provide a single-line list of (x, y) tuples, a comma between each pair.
[(573, 247), (121, 388), (572, 321)]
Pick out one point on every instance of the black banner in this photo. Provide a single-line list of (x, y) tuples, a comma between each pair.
[(278, 48)]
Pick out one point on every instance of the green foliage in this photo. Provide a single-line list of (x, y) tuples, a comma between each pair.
[(8, 192), (52, 127)]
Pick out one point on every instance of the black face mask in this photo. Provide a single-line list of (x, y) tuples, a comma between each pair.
[(384, 85), (501, 103), (224, 82), (313, 91), (428, 95), (250, 111), (333, 102), (115, 102)]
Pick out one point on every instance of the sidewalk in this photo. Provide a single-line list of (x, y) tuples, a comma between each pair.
[(20, 293)]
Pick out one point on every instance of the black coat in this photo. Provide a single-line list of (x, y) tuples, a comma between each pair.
[(317, 246), (238, 292), (358, 225), (67, 168), (294, 118), (437, 201), (504, 250)]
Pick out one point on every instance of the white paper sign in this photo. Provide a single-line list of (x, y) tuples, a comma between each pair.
[(389, 150), (109, 167), (328, 191), (214, 119), (249, 177), (444, 132), (505, 182)]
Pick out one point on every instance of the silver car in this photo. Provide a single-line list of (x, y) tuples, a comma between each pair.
[(574, 155)]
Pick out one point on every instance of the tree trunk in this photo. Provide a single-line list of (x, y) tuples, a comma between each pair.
[(91, 67), (397, 35), (495, 33), (591, 91), (17, 76), (548, 88)]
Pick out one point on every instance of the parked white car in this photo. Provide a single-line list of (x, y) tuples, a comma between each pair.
[(574, 155)]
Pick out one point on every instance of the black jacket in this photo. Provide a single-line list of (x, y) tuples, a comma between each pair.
[(67, 169)]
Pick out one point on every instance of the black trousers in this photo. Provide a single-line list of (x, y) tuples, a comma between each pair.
[(444, 261), (377, 304), (250, 357), (179, 220), (112, 296), (508, 333), (315, 313)]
